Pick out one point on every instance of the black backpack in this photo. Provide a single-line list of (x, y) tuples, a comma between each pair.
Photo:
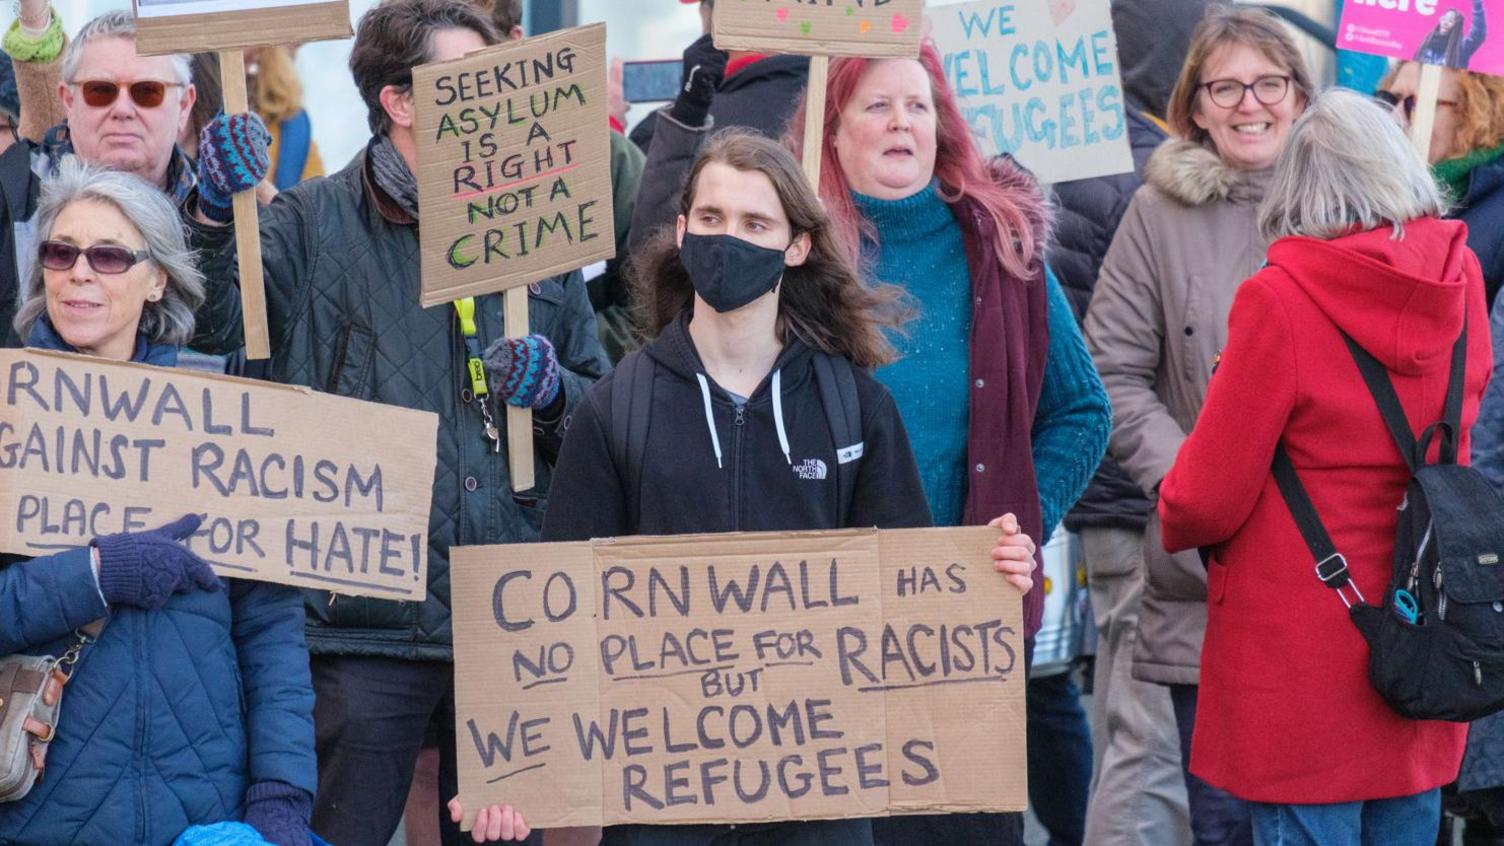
[(632, 403), (1436, 643)]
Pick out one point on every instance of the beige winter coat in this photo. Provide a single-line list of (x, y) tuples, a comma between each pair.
[(1157, 319)]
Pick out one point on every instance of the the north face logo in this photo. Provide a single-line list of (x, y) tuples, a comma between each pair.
[(812, 469)]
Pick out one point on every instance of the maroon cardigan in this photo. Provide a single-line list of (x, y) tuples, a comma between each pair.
[(1009, 341)]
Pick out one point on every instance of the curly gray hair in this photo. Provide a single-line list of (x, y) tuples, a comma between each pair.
[(166, 321)]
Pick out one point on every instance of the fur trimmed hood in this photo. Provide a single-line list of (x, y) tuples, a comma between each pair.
[(1194, 175)]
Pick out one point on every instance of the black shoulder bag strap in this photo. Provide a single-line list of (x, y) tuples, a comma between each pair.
[(1331, 567), (843, 414), (631, 403)]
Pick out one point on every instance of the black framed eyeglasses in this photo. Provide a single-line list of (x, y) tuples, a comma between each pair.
[(1391, 100), (104, 258), (1268, 90)]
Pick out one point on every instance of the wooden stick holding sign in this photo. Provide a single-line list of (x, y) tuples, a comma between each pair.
[(247, 222), (839, 28), (201, 26), (1424, 117), (514, 182)]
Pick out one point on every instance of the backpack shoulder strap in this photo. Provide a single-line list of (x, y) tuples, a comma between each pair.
[(1376, 377), (1451, 412), (631, 403), (843, 413), (1331, 567)]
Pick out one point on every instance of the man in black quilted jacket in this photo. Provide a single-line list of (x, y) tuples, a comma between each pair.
[(340, 259), (1138, 795)]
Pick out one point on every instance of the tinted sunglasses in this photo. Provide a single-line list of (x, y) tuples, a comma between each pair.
[(104, 258), (148, 93), (1390, 99)]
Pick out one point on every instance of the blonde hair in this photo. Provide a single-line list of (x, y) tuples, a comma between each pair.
[(1224, 26), (279, 92)]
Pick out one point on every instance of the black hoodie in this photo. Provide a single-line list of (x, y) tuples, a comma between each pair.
[(741, 476)]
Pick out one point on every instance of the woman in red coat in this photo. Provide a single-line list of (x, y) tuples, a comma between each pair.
[(1287, 718)]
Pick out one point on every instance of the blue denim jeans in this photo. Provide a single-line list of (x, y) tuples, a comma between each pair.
[(1218, 818), (1059, 755), (1406, 821)]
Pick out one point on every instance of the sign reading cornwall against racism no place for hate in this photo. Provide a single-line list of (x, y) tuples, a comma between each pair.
[(739, 678), (299, 487)]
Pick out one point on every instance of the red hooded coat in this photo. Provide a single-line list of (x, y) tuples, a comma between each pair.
[(1286, 713)]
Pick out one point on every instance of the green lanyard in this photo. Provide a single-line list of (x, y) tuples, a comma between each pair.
[(465, 308)]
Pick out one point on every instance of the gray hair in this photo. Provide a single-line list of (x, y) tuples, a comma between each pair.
[(1346, 164), (170, 319), (115, 24)]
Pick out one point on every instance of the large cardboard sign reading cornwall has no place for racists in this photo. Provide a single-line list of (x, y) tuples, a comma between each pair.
[(739, 678), (514, 164), (299, 487)]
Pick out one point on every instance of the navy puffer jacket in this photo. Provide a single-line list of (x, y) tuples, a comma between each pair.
[(170, 716)]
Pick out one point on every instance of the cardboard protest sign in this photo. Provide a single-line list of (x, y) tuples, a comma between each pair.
[(514, 169), (1450, 33), (201, 26), (831, 28), (1040, 81), (739, 678), (300, 488)]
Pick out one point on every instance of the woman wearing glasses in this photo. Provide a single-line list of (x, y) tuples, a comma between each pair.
[(1159, 315), (194, 706)]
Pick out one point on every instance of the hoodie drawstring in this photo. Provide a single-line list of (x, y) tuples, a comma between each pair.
[(783, 438), (715, 440)]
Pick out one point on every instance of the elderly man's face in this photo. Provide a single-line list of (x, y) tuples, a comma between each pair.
[(122, 133)]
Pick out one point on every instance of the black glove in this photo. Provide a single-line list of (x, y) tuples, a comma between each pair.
[(145, 569), (704, 69)]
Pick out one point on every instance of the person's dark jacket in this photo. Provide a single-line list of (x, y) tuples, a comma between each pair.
[(1087, 216), (760, 96), (172, 714), (1153, 36), (22, 169), (751, 485), (341, 268), (1483, 212)]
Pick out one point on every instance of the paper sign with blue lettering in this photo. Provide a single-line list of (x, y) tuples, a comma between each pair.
[(1040, 81), (295, 486)]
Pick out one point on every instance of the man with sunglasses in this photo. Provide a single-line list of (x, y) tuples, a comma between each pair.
[(340, 262), (122, 111)]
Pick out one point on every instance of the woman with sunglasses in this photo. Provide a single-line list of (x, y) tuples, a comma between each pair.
[(194, 706), (1158, 317)]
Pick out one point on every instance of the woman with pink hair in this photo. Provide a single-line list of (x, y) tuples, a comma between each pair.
[(1004, 409)]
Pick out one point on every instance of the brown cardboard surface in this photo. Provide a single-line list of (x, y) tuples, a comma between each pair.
[(296, 21), (514, 164), (827, 676), (90, 447), (833, 28)]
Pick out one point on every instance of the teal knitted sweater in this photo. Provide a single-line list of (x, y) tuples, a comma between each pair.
[(923, 251)]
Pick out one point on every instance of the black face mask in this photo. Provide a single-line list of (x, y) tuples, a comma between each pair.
[(728, 272)]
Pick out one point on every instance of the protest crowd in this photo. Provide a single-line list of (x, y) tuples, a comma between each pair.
[(1247, 373)]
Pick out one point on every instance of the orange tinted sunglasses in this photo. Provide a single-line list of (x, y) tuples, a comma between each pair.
[(148, 94)]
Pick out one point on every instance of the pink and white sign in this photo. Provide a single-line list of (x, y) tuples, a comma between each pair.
[(1453, 33)]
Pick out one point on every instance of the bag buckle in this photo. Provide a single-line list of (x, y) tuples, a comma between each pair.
[(1332, 571)]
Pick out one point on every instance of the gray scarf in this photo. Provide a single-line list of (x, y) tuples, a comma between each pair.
[(393, 176)]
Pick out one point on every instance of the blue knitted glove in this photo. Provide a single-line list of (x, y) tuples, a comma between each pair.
[(279, 811), (523, 371), (144, 569), (232, 157)]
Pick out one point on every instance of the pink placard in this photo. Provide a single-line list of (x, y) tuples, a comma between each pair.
[(1454, 33)]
